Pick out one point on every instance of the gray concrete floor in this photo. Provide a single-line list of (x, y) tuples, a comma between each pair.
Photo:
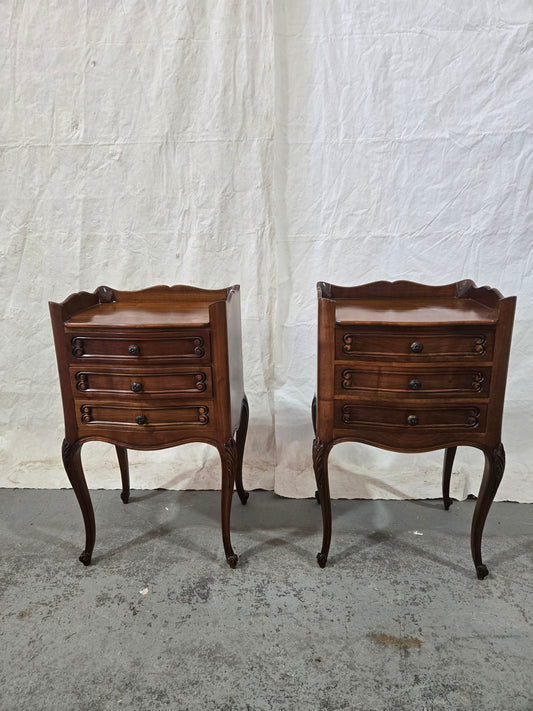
[(397, 620)]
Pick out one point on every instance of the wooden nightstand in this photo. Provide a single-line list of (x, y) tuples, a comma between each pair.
[(147, 370), (413, 368)]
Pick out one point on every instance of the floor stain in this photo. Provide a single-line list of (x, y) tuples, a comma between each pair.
[(403, 644)]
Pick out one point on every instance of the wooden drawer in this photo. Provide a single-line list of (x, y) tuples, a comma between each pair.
[(413, 345), (143, 416), (136, 383), (141, 346), (419, 417), (421, 382)]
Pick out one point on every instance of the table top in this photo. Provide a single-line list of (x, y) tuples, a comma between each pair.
[(407, 311), (129, 314)]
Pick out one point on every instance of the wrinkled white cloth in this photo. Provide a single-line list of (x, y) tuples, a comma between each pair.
[(271, 144)]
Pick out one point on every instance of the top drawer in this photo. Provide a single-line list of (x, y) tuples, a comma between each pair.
[(409, 344), (140, 346)]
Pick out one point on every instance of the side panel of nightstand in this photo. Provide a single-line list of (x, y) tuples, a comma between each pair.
[(326, 370), (502, 348)]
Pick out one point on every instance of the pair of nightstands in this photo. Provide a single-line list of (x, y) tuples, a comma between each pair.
[(402, 366)]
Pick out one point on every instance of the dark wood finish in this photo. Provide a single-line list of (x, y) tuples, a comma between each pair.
[(449, 456), (152, 369), (413, 368)]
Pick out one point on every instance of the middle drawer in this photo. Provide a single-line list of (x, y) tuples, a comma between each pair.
[(133, 382), (358, 380)]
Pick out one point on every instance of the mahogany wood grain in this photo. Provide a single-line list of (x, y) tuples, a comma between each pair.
[(407, 312), (413, 368), (142, 314)]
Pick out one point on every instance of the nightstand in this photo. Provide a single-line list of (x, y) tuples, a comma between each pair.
[(147, 370), (413, 368)]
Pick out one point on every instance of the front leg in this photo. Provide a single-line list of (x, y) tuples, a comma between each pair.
[(71, 453), (320, 464), (229, 457), (492, 476)]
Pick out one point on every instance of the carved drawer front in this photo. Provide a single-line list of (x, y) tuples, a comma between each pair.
[(415, 417), (135, 383), (414, 345), (95, 415), (138, 347), (412, 382)]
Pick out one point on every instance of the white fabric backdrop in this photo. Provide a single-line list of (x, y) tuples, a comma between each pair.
[(270, 144)]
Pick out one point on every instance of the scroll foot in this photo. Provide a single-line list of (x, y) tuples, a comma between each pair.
[(232, 560), (322, 559), (85, 558), (482, 571)]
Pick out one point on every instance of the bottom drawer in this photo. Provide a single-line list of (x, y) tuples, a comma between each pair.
[(411, 417), (93, 415)]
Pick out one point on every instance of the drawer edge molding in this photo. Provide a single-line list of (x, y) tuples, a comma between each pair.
[(143, 419), (479, 380), (478, 346), (472, 417), (82, 383), (78, 348)]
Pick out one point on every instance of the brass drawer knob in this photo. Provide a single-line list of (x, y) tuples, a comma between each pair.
[(417, 347), (141, 419), (412, 420), (134, 350), (136, 387), (414, 384)]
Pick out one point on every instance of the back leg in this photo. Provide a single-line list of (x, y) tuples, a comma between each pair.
[(240, 439), (313, 417), (449, 456), (122, 454)]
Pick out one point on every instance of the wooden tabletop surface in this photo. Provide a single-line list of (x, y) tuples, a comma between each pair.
[(128, 314), (413, 311)]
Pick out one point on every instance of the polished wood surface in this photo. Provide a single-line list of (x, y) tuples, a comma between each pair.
[(406, 312), (152, 369), (141, 315), (412, 368)]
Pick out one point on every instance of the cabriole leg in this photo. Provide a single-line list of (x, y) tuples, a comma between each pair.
[(492, 476), (449, 456), (229, 457), (122, 454), (241, 441), (71, 453), (320, 465)]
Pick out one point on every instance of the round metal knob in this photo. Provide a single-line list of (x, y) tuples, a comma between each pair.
[(412, 420), (136, 387), (141, 419), (414, 384), (417, 347), (134, 350)]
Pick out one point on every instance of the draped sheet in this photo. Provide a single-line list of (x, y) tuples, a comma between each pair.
[(271, 144)]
